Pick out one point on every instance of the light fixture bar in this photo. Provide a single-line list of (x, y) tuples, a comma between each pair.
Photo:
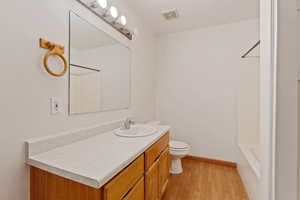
[(110, 15)]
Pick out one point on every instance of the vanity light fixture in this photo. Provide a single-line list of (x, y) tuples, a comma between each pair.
[(113, 11), (110, 14), (99, 3), (123, 20), (102, 3)]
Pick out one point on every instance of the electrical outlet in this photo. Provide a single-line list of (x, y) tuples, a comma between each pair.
[(56, 105)]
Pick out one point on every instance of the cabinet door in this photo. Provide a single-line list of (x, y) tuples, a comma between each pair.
[(137, 193), (151, 182), (152, 154), (163, 171), (119, 186)]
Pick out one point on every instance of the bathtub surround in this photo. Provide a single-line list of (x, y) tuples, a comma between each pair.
[(198, 79), (286, 120), (248, 104)]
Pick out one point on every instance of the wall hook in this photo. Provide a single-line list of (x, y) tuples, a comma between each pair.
[(54, 50)]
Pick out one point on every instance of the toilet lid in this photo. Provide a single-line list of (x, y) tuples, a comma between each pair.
[(178, 145)]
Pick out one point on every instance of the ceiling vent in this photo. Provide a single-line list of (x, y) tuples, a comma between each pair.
[(170, 14)]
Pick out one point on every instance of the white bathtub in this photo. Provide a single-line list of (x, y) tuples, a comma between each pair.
[(251, 154), (249, 170)]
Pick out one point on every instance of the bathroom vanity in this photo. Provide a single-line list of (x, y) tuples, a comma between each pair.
[(99, 163), (145, 176)]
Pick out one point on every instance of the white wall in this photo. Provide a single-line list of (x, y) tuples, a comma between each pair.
[(26, 87), (198, 75)]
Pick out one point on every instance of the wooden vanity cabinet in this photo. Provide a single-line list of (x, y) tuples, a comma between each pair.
[(157, 169), (163, 172), (138, 192), (154, 152), (119, 186), (47, 186), (146, 178), (151, 182)]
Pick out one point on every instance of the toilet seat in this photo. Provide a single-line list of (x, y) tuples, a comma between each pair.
[(178, 145)]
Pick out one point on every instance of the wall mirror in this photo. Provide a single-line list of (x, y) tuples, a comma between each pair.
[(99, 75)]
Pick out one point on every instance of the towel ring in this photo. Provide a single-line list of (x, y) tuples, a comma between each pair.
[(55, 50), (50, 53)]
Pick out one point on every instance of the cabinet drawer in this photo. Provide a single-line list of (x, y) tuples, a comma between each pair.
[(155, 150), (119, 186), (137, 193)]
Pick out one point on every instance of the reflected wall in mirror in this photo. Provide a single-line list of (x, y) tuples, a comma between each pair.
[(99, 69)]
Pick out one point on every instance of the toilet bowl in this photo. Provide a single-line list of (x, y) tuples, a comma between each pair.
[(178, 150)]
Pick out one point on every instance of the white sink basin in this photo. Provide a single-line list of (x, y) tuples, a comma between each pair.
[(136, 131)]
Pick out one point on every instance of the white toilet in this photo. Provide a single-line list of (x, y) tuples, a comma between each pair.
[(178, 150)]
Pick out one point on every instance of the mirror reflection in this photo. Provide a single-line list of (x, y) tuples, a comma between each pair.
[(99, 69)]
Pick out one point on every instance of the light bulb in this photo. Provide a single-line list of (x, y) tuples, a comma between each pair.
[(102, 3), (114, 12), (123, 20)]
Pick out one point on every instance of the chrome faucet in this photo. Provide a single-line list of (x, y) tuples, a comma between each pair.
[(127, 123)]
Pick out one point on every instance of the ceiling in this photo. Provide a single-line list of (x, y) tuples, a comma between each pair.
[(87, 36), (194, 13)]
